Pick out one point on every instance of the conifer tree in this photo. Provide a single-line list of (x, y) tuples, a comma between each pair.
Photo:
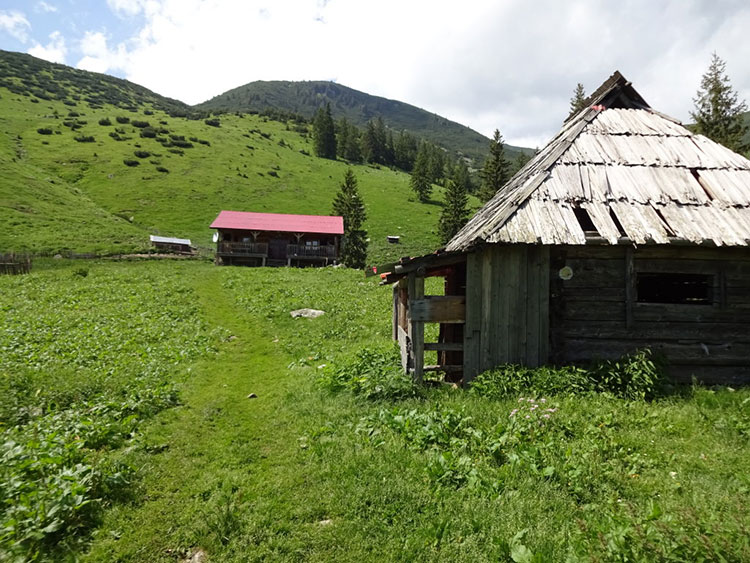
[(421, 181), (495, 171), (718, 110), (324, 133), (460, 175), (405, 151), (454, 215), (348, 142), (577, 102), (349, 205)]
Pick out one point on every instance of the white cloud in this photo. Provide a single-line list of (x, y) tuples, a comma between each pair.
[(54, 51), (15, 24), (128, 8), (45, 8), (98, 57), (510, 65)]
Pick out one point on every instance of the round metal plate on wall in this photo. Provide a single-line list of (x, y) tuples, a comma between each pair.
[(565, 273)]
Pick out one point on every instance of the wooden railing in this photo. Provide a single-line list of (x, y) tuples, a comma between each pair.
[(243, 248), (301, 250), (15, 263)]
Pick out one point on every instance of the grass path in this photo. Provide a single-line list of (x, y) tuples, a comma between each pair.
[(219, 455)]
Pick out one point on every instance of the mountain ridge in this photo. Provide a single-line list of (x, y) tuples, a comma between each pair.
[(305, 97)]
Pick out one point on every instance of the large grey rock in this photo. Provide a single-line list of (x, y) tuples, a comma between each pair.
[(307, 313)]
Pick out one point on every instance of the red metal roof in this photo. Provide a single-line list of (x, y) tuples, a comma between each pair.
[(279, 222)]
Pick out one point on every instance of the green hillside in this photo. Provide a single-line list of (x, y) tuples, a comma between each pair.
[(306, 97), (88, 169)]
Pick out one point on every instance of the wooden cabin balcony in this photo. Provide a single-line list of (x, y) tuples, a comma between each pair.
[(254, 249), (304, 251)]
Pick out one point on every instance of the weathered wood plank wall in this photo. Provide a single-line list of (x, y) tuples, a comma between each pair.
[(507, 299), (596, 314)]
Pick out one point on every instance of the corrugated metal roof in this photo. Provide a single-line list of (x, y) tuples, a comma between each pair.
[(170, 240), (628, 167), (279, 222)]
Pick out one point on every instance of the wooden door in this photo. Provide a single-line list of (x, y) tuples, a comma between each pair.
[(277, 249)]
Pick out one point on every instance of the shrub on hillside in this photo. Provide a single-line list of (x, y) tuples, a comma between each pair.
[(140, 124), (130, 162), (177, 151), (162, 169), (105, 121), (85, 138), (148, 112), (148, 133), (213, 122), (44, 131), (142, 154), (122, 119)]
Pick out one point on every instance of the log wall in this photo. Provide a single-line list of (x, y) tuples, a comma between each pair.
[(595, 314)]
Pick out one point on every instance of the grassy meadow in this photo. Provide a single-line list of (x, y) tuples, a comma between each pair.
[(92, 182), (155, 411)]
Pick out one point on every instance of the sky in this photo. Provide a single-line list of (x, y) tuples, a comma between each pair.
[(510, 65)]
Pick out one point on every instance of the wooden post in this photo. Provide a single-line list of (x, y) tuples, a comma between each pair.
[(630, 289), (395, 312), (416, 328)]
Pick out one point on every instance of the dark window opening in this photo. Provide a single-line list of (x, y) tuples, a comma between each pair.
[(584, 220), (686, 289)]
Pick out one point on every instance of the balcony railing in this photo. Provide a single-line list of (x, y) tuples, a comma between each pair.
[(304, 251), (243, 248)]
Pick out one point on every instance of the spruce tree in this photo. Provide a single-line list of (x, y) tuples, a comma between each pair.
[(349, 205), (577, 102), (421, 181), (348, 142), (454, 215), (460, 175), (496, 169), (405, 151), (718, 110), (324, 133)]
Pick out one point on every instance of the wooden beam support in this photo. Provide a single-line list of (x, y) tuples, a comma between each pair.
[(439, 309), (416, 328), (443, 368), (444, 346)]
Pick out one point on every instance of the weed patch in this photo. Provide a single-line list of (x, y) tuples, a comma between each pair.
[(371, 374), (635, 376)]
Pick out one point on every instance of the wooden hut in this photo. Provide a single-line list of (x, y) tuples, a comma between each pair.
[(171, 244), (277, 239), (625, 231)]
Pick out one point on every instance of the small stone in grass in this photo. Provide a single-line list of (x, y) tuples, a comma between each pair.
[(307, 313), (252, 396)]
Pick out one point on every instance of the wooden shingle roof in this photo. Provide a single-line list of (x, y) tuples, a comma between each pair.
[(629, 171)]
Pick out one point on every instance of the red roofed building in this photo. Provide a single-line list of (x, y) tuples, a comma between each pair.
[(277, 239)]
